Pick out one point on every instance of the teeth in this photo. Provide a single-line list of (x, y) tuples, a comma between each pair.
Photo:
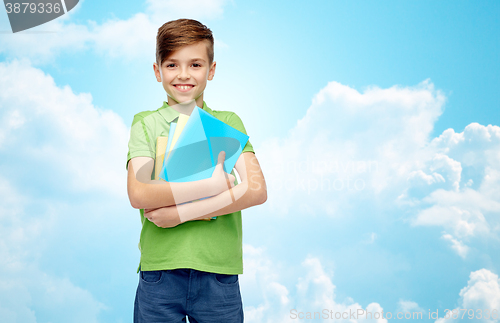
[(183, 87)]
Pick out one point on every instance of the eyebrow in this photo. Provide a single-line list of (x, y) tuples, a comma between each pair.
[(193, 60)]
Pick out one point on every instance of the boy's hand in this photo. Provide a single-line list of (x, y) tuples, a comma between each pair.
[(168, 216), (165, 217), (221, 180)]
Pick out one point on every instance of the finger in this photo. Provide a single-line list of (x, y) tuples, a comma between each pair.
[(221, 157)]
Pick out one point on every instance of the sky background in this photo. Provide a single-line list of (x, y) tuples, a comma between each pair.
[(376, 124)]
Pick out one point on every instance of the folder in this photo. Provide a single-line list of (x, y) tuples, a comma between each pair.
[(194, 155), (178, 127), (161, 147), (162, 144)]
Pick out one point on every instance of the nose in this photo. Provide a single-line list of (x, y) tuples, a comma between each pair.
[(183, 74)]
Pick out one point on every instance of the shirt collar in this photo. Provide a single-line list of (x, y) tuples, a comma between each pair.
[(170, 114)]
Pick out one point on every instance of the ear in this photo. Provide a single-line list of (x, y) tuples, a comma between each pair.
[(157, 72), (211, 72)]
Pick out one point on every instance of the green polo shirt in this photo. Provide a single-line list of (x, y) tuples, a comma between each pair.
[(212, 246)]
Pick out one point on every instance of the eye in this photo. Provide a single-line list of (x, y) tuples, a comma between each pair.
[(196, 65), (170, 65)]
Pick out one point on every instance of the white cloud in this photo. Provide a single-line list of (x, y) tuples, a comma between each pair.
[(471, 207), (195, 9), (44, 47), (29, 288), (59, 136), (482, 293), (462, 222), (407, 306), (375, 146), (351, 144), (419, 176), (443, 169), (313, 293), (460, 248), (372, 237), (57, 148), (26, 292), (128, 39), (260, 282)]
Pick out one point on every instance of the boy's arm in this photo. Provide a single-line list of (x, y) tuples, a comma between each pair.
[(251, 191), (145, 193)]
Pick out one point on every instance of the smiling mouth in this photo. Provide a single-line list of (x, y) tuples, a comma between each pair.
[(184, 87)]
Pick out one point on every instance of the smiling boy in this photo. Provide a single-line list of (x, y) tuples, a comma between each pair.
[(185, 72), (188, 267)]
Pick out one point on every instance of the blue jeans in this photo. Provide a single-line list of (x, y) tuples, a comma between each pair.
[(171, 295)]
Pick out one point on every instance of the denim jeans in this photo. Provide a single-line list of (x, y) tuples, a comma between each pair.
[(171, 295)]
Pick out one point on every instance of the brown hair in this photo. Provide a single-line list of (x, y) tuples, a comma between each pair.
[(177, 33)]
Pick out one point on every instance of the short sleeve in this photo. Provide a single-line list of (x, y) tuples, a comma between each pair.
[(235, 122), (140, 143)]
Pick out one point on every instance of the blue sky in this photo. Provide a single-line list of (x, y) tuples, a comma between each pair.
[(392, 105)]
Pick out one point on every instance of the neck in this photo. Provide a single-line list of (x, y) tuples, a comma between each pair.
[(184, 107)]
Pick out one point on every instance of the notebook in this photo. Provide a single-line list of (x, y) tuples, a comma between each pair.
[(162, 147), (194, 155)]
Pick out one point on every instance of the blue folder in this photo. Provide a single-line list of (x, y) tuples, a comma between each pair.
[(195, 153)]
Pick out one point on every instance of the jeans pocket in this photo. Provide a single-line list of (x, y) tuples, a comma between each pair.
[(226, 279), (153, 276)]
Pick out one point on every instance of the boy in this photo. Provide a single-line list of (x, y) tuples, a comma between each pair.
[(188, 267)]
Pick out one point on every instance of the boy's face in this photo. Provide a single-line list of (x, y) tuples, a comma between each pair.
[(185, 72)]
